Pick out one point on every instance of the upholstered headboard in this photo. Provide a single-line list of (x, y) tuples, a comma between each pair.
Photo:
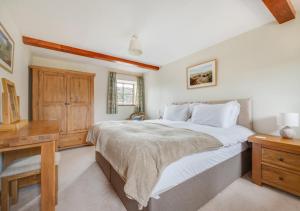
[(245, 116)]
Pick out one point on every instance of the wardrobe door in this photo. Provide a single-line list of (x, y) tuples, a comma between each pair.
[(78, 101), (52, 98)]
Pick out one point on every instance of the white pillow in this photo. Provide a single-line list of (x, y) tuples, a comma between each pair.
[(192, 106), (176, 112), (216, 115), (235, 112)]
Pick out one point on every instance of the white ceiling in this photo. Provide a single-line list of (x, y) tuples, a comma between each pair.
[(167, 29)]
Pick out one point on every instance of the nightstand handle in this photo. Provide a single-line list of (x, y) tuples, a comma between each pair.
[(280, 178), (281, 159)]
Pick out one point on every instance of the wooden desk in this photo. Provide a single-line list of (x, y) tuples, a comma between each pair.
[(41, 134)]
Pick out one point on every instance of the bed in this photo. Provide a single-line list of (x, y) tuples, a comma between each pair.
[(191, 181)]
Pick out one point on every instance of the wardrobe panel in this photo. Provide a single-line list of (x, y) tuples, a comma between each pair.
[(66, 96)]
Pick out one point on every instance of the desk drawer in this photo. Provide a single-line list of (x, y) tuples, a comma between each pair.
[(282, 159), (75, 139), (281, 179)]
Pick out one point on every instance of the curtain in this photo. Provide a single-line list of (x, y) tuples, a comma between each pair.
[(140, 95), (112, 106)]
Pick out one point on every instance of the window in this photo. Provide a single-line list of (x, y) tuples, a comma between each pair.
[(126, 90)]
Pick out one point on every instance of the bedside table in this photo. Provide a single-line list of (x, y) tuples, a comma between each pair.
[(276, 162)]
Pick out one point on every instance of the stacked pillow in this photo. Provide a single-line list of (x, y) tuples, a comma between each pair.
[(176, 112), (216, 115)]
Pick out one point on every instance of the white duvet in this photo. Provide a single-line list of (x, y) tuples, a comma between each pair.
[(233, 139), (228, 136)]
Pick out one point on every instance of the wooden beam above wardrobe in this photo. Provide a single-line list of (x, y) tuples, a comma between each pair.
[(81, 52), (282, 10)]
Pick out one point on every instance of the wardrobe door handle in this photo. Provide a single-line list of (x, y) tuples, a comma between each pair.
[(67, 103), (281, 159)]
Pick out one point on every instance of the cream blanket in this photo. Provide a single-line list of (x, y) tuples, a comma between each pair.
[(140, 151)]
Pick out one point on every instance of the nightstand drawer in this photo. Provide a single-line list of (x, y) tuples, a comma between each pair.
[(281, 179), (282, 159)]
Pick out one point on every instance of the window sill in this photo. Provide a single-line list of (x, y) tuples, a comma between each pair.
[(127, 105)]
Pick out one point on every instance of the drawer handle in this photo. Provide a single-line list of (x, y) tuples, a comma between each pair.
[(280, 178), (281, 159)]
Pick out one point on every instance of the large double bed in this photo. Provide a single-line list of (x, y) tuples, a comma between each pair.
[(182, 184)]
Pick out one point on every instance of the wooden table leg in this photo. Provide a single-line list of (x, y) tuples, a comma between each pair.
[(48, 176), (4, 194), (14, 191)]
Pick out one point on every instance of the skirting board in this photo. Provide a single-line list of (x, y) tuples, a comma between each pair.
[(189, 195)]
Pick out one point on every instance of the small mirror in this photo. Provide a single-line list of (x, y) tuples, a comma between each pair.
[(11, 108)]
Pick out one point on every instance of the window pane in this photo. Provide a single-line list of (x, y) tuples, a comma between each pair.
[(125, 93), (120, 93), (119, 90), (120, 87), (120, 98), (128, 99), (128, 89), (128, 86)]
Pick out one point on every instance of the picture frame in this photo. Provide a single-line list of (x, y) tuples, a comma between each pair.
[(202, 75), (7, 48), (10, 101)]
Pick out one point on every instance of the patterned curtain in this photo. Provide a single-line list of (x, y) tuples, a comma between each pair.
[(112, 106), (140, 95)]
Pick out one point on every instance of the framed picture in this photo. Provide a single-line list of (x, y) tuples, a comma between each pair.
[(11, 108), (7, 47), (202, 75)]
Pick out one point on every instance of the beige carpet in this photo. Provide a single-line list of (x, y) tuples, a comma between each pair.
[(83, 187)]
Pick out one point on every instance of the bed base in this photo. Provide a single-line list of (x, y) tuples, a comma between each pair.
[(189, 195)]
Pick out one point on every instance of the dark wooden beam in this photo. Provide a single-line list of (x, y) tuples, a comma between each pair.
[(282, 10), (82, 52)]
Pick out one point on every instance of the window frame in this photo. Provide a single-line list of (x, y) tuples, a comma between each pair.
[(126, 82)]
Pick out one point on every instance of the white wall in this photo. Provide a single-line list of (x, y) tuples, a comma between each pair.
[(20, 68), (263, 64), (100, 87), (21, 61), (22, 58)]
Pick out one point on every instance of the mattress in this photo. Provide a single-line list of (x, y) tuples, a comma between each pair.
[(234, 141), (192, 165)]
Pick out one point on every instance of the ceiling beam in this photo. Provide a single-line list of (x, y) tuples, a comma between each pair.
[(282, 10), (81, 52)]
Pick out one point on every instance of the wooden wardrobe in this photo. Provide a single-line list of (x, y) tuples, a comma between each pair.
[(66, 96)]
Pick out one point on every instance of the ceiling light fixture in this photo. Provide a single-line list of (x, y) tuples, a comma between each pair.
[(135, 46)]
